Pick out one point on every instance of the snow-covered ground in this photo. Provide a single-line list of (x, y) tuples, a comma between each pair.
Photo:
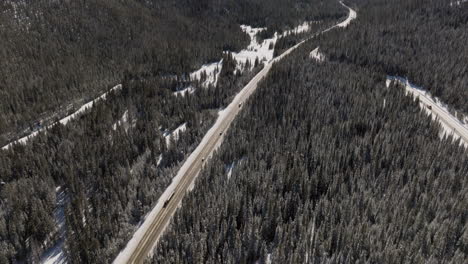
[(189, 90), (434, 107), (55, 254), (317, 55), (64, 120), (174, 134), (263, 51)]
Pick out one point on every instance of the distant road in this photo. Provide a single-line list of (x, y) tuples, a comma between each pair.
[(146, 237), (64, 120)]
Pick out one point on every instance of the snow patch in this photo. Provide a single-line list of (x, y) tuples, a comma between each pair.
[(263, 51), (229, 170), (123, 120), (183, 92), (159, 160), (317, 55), (174, 134), (208, 74)]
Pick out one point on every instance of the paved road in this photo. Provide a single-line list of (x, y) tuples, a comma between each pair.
[(192, 166), (441, 114)]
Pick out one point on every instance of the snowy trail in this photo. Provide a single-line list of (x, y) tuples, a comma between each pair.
[(147, 235), (451, 125), (64, 120)]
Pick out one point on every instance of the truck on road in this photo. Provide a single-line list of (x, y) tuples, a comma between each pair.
[(168, 200)]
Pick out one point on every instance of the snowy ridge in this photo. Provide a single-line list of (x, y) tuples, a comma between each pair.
[(451, 126), (229, 170), (263, 51), (304, 27), (65, 120), (255, 50)]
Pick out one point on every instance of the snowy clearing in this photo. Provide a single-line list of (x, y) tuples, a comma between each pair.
[(451, 126), (208, 74), (63, 121), (317, 55)]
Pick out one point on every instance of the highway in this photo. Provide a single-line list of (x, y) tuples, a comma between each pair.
[(141, 245), (441, 114)]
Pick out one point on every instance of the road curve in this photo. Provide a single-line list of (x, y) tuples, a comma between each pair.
[(140, 246)]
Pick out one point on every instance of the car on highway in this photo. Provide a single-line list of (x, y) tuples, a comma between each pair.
[(240, 104), (429, 107)]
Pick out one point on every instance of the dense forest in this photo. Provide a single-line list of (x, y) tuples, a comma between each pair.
[(58, 54), (325, 164), (112, 163), (328, 165), (423, 40)]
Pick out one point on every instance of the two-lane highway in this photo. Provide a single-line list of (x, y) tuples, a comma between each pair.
[(441, 114), (142, 243)]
